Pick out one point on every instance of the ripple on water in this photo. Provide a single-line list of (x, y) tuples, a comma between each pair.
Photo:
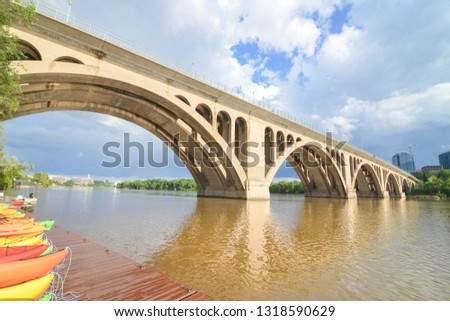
[(286, 249)]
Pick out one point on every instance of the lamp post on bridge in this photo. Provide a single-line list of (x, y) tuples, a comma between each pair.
[(68, 11)]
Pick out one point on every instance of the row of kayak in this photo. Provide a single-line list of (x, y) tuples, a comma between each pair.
[(27, 259)]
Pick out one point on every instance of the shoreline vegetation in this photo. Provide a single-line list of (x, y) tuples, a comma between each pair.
[(431, 186), (188, 184)]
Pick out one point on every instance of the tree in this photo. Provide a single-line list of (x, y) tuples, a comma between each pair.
[(10, 90), (69, 183), (11, 169), (43, 179)]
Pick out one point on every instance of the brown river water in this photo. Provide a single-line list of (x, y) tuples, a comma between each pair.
[(288, 248)]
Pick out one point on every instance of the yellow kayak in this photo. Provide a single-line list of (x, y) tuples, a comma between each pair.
[(31, 290), (9, 212), (21, 240)]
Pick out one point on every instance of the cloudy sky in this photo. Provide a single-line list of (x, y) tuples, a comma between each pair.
[(374, 72)]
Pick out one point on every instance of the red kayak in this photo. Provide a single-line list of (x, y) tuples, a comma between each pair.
[(16, 253), (17, 272)]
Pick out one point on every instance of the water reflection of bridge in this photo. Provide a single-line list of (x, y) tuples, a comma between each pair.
[(254, 251)]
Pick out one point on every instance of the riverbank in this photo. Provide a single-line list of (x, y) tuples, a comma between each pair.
[(99, 274)]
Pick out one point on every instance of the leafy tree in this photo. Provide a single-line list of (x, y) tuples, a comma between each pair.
[(438, 184), (11, 169), (284, 187), (69, 183), (43, 179), (10, 50), (160, 184)]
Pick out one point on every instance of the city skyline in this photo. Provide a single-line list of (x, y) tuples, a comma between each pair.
[(371, 74)]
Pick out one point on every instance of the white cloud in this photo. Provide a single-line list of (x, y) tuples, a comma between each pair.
[(385, 74), (340, 126), (403, 113)]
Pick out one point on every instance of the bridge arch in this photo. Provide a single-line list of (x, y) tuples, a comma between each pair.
[(205, 112), (240, 139), (392, 187), (30, 52), (269, 148), (69, 59), (319, 173), (281, 143), (164, 116), (366, 181), (224, 125), (183, 99)]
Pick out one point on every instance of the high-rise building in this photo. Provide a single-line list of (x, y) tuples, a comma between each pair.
[(444, 160), (405, 161)]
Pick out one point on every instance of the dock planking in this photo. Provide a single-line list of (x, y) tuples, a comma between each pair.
[(100, 274)]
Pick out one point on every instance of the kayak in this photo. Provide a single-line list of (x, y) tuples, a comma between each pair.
[(48, 224), (34, 230), (48, 250), (8, 212), (17, 203), (46, 297), (16, 253), (31, 290), (15, 219), (21, 240), (17, 272), (15, 225)]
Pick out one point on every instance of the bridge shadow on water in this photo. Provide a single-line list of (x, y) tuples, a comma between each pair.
[(289, 248)]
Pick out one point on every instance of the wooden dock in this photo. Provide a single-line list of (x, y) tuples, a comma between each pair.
[(99, 274)]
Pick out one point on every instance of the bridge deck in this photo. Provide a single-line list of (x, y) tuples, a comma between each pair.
[(99, 274)]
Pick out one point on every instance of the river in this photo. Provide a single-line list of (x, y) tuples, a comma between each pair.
[(288, 248)]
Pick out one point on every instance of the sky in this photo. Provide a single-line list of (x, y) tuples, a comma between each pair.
[(376, 73)]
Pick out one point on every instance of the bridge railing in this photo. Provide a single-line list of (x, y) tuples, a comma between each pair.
[(46, 8)]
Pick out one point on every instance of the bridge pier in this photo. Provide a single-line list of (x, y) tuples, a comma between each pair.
[(351, 192)]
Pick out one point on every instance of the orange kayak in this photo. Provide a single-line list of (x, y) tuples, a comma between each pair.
[(16, 253), (17, 272), (31, 290), (35, 229), (11, 224)]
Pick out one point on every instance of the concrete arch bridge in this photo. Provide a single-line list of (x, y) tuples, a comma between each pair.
[(232, 148)]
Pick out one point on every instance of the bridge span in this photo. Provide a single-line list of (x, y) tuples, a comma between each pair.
[(232, 148)]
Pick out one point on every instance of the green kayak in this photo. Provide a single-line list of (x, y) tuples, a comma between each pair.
[(48, 224)]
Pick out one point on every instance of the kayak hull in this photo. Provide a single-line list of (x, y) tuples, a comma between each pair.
[(15, 253), (17, 272), (31, 290)]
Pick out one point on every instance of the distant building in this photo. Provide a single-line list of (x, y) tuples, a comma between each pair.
[(432, 168), (444, 160), (83, 181), (59, 179), (404, 161)]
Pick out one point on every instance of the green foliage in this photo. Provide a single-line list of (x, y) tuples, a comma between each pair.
[(69, 183), (99, 183), (43, 179), (10, 90), (160, 184), (10, 169), (438, 184), (284, 187)]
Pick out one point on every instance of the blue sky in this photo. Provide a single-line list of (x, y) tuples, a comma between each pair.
[(374, 72)]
